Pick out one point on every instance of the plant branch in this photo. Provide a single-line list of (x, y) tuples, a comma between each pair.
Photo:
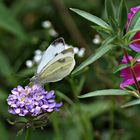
[(132, 70)]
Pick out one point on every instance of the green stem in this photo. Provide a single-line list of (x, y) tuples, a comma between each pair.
[(87, 130), (28, 134), (56, 127), (132, 70), (134, 41), (112, 121), (85, 121)]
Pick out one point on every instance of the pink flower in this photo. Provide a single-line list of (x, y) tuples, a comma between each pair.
[(126, 75), (136, 45)]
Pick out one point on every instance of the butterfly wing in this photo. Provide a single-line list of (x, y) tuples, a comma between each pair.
[(58, 68), (53, 50)]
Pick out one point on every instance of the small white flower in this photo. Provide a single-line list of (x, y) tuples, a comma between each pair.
[(96, 40), (81, 52), (29, 63), (37, 58), (38, 52), (53, 33), (76, 50), (46, 24)]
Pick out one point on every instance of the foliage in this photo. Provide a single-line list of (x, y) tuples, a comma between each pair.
[(99, 118)]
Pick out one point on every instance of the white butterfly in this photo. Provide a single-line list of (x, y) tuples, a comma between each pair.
[(56, 63)]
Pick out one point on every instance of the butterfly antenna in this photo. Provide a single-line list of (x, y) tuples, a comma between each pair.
[(27, 79)]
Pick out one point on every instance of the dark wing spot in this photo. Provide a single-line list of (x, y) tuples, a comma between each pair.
[(57, 41), (56, 54), (61, 60)]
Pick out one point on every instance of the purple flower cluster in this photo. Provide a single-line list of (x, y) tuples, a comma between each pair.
[(32, 101)]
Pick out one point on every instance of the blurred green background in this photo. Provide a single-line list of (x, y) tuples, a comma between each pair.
[(23, 30)]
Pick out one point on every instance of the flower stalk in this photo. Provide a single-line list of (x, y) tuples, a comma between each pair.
[(28, 134), (131, 70)]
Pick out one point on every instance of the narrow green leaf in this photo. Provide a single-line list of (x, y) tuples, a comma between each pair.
[(5, 67), (131, 33), (106, 92), (125, 47), (135, 23), (80, 72), (96, 108), (131, 103), (137, 56), (26, 72), (134, 20), (121, 66), (122, 14), (63, 96), (127, 87), (10, 24), (91, 18), (109, 9), (114, 25), (102, 31), (80, 85), (99, 53), (99, 28)]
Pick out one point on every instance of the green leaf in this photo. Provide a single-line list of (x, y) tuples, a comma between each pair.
[(109, 9), (80, 84), (137, 56), (127, 87), (125, 47), (63, 96), (3, 95), (102, 31), (106, 92), (131, 33), (122, 14), (121, 66), (105, 47), (114, 25), (96, 108), (3, 131), (99, 28), (72, 134), (80, 72), (135, 23), (131, 103), (10, 24), (91, 18), (5, 67), (26, 72)]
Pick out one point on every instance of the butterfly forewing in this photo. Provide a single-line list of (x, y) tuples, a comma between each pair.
[(53, 50), (64, 53)]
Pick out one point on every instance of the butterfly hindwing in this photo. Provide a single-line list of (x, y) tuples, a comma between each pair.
[(57, 71)]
